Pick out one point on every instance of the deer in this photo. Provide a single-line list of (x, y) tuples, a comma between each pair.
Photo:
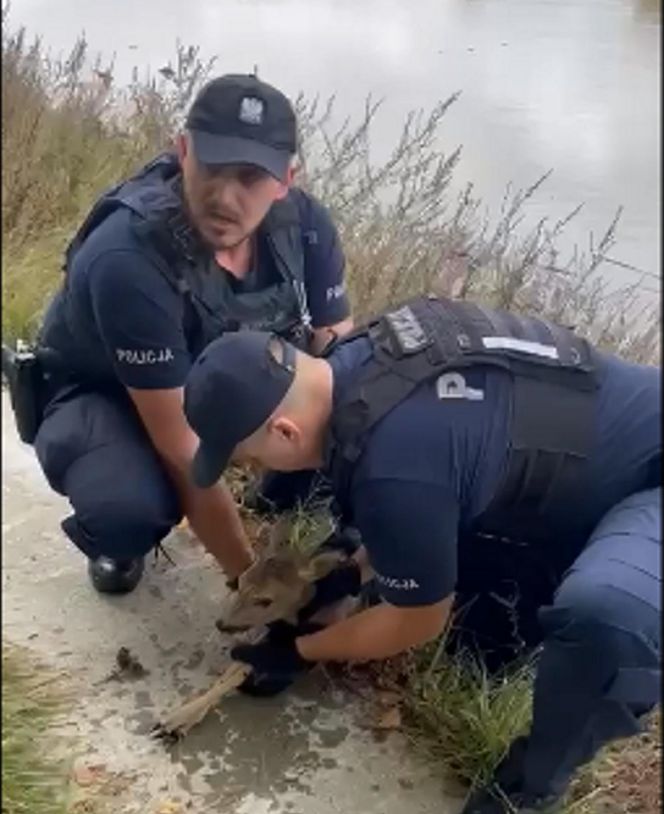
[(277, 587)]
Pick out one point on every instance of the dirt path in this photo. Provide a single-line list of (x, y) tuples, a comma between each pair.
[(299, 753)]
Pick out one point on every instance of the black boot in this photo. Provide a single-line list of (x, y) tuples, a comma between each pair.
[(505, 793), (114, 577)]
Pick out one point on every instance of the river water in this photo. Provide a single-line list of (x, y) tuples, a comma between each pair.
[(568, 85)]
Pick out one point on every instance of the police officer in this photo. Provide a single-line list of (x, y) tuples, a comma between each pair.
[(207, 239), (436, 422)]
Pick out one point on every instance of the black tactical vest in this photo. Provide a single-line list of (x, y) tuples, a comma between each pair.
[(555, 383), (154, 195)]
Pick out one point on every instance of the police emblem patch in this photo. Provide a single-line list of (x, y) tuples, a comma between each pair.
[(251, 110)]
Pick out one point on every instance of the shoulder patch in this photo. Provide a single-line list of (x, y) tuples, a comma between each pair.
[(453, 386)]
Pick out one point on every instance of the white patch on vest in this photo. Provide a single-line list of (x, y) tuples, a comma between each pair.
[(144, 357), (403, 584), (335, 292), (453, 386), (523, 345), (251, 110)]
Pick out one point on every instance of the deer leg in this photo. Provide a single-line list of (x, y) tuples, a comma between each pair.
[(176, 724)]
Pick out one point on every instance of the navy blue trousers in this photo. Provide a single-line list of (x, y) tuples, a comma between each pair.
[(93, 449), (599, 670)]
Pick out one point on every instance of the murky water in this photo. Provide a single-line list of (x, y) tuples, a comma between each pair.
[(571, 85)]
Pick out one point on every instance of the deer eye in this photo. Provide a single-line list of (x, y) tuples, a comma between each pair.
[(263, 603)]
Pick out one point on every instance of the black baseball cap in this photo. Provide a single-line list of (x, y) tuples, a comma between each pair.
[(237, 119), (232, 389)]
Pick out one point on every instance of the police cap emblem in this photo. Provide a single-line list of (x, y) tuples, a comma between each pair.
[(251, 110)]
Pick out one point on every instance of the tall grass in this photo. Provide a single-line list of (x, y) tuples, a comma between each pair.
[(68, 133), (465, 717), (33, 782)]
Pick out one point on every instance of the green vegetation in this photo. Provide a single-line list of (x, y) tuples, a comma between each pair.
[(465, 720), (68, 133), (33, 781)]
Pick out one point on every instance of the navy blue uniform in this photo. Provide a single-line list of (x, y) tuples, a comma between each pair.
[(119, 322), (431, 467), (125, 319)]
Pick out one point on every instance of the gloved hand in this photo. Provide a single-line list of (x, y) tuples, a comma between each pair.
[(346, 540), (275, 661), (344, 580)]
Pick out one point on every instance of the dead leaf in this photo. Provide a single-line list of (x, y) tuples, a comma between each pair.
[(90, 775), (387, 719), (388, 698), (169, 807)]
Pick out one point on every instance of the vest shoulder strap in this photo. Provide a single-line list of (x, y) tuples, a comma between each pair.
[(137, 193), (553, 372), (283, 229)]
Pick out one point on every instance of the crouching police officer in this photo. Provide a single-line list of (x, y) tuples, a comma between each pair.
[(442, 420), (210, 239)]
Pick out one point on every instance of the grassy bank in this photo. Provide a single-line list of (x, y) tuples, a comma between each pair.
[(68, 133), (465, 720), (33, 781)]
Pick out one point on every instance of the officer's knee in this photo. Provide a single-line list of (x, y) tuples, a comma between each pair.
[(586, 602), (124, 524), (608, 641), (604, 617)]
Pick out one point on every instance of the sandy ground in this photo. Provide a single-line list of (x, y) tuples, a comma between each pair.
[(303, 752)]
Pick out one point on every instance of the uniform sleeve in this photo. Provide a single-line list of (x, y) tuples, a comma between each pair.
[(324, 266), (139, 317), (410, 532)]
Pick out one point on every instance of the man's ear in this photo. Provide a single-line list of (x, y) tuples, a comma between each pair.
[(284, 428), (290, 175), (285, 184), (181, 146)]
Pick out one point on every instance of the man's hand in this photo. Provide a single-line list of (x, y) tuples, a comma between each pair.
[(211, 512), (344, 580), (323, 336), (275, 661)]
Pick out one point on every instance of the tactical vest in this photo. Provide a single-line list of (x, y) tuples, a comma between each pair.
[(154, 194), (555, 384)]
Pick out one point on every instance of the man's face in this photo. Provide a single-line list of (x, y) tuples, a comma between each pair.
[(226, 203)]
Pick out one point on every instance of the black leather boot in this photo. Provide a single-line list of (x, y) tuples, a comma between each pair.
[(505, 794), (114, 577)]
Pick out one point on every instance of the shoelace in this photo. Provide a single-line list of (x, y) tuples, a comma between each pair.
[(159, 549)]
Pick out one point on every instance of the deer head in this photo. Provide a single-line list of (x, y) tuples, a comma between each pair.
[(278, 585)]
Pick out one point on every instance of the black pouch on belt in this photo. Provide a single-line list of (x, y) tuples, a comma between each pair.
[(26, 377)]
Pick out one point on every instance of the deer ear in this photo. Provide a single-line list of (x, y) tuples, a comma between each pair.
[(282, 568), (279, 534), (320, 566), (246, 576)]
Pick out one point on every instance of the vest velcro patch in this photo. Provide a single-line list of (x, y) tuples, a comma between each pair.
[(407, 330), (521, 345)]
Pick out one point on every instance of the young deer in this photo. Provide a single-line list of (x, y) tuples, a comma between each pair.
[(276, 587)]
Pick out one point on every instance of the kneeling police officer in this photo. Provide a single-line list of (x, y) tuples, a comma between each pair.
[(209, 239), (442, 422)]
